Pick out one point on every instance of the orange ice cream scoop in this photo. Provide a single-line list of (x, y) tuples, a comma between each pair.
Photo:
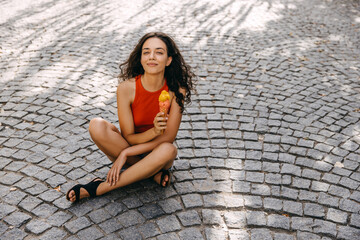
[(164, 101)]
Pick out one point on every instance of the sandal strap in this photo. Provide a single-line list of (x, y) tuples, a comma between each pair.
[(76, 189), (92, 186)]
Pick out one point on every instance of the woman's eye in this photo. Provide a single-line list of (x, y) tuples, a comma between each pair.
[(160, 53), (145, 53)]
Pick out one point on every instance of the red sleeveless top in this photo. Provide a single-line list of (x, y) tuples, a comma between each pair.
[(145, 106)]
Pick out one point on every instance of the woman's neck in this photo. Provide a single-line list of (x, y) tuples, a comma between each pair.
[(153, 82)]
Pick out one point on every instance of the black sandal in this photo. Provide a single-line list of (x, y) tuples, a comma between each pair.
[(90, 188), (164, 173)]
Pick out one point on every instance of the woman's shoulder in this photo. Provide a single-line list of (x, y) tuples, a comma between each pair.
[(127, 84), (127, 88)]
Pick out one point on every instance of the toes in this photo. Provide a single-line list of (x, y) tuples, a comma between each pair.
[(72, 196), (165, 181)]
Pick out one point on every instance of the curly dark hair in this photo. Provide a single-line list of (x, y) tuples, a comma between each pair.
[(178, 74)]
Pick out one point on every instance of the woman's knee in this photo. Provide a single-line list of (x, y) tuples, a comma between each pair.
[(97, 128), (168, 150)]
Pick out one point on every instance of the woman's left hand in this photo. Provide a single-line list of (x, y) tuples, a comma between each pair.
[(160, 122), (114, 173)]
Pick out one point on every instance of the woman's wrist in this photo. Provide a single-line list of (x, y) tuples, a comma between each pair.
[(157, 133), (124, 154)]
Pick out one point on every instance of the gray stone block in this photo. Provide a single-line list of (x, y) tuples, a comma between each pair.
[(59, 218), (289, 193), (53, 233), (168, 224), (293, 207), (17, 219), (308, 195), (348, 233), (238, 234), (283, 236), (336, 216), (355, 220), (37, 226), (260, 189), (241, 187), (273, 178), (301, 183), (325, 227), (261, 234), (235, 219), (78, 224), (349, 183), (256, 218), (271, 167), (273, 204), (319, 186), (233, 201), (170, 205), (339, 191), (307, 236), (255, 177), (14, 234), (302, 223), (191, 233), (216, 234), (130, 233), (349, 205), (99, 215), (278, 221), (189, 218), (130, 218), (192, 200), (44, 210), (132, 202), (253, 201), (214, 200), (290, 169), (210, 216), (149, 230), (312, 174), (328, 200), (314, 210), (168, 236), (110, 226)]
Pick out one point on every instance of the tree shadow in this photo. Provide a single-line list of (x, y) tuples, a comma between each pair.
[(260, 66)]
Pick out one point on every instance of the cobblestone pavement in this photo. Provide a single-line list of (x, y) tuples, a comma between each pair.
[(269, 148)]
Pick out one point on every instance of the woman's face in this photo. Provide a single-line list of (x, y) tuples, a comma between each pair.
[(154, 56)]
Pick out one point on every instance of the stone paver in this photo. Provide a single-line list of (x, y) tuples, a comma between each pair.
[(268, 148)]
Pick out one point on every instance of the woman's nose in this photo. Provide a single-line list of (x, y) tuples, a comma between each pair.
[(152, 55)]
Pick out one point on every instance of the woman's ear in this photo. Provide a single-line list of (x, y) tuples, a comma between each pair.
[(169, 61)]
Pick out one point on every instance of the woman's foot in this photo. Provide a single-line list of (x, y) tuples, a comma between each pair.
[(163, 178), (80, 191)]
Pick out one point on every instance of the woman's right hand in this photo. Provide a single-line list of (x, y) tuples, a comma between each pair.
[(160, 121), (114, 173)]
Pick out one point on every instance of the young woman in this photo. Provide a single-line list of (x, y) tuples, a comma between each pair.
[(145, 143)]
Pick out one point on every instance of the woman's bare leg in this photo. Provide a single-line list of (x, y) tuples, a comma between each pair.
[(162, 157), (109, 140)]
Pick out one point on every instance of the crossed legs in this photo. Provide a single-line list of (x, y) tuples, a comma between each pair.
[(109, 140)]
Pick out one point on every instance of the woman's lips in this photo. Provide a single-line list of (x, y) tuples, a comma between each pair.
[(152, 64)]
